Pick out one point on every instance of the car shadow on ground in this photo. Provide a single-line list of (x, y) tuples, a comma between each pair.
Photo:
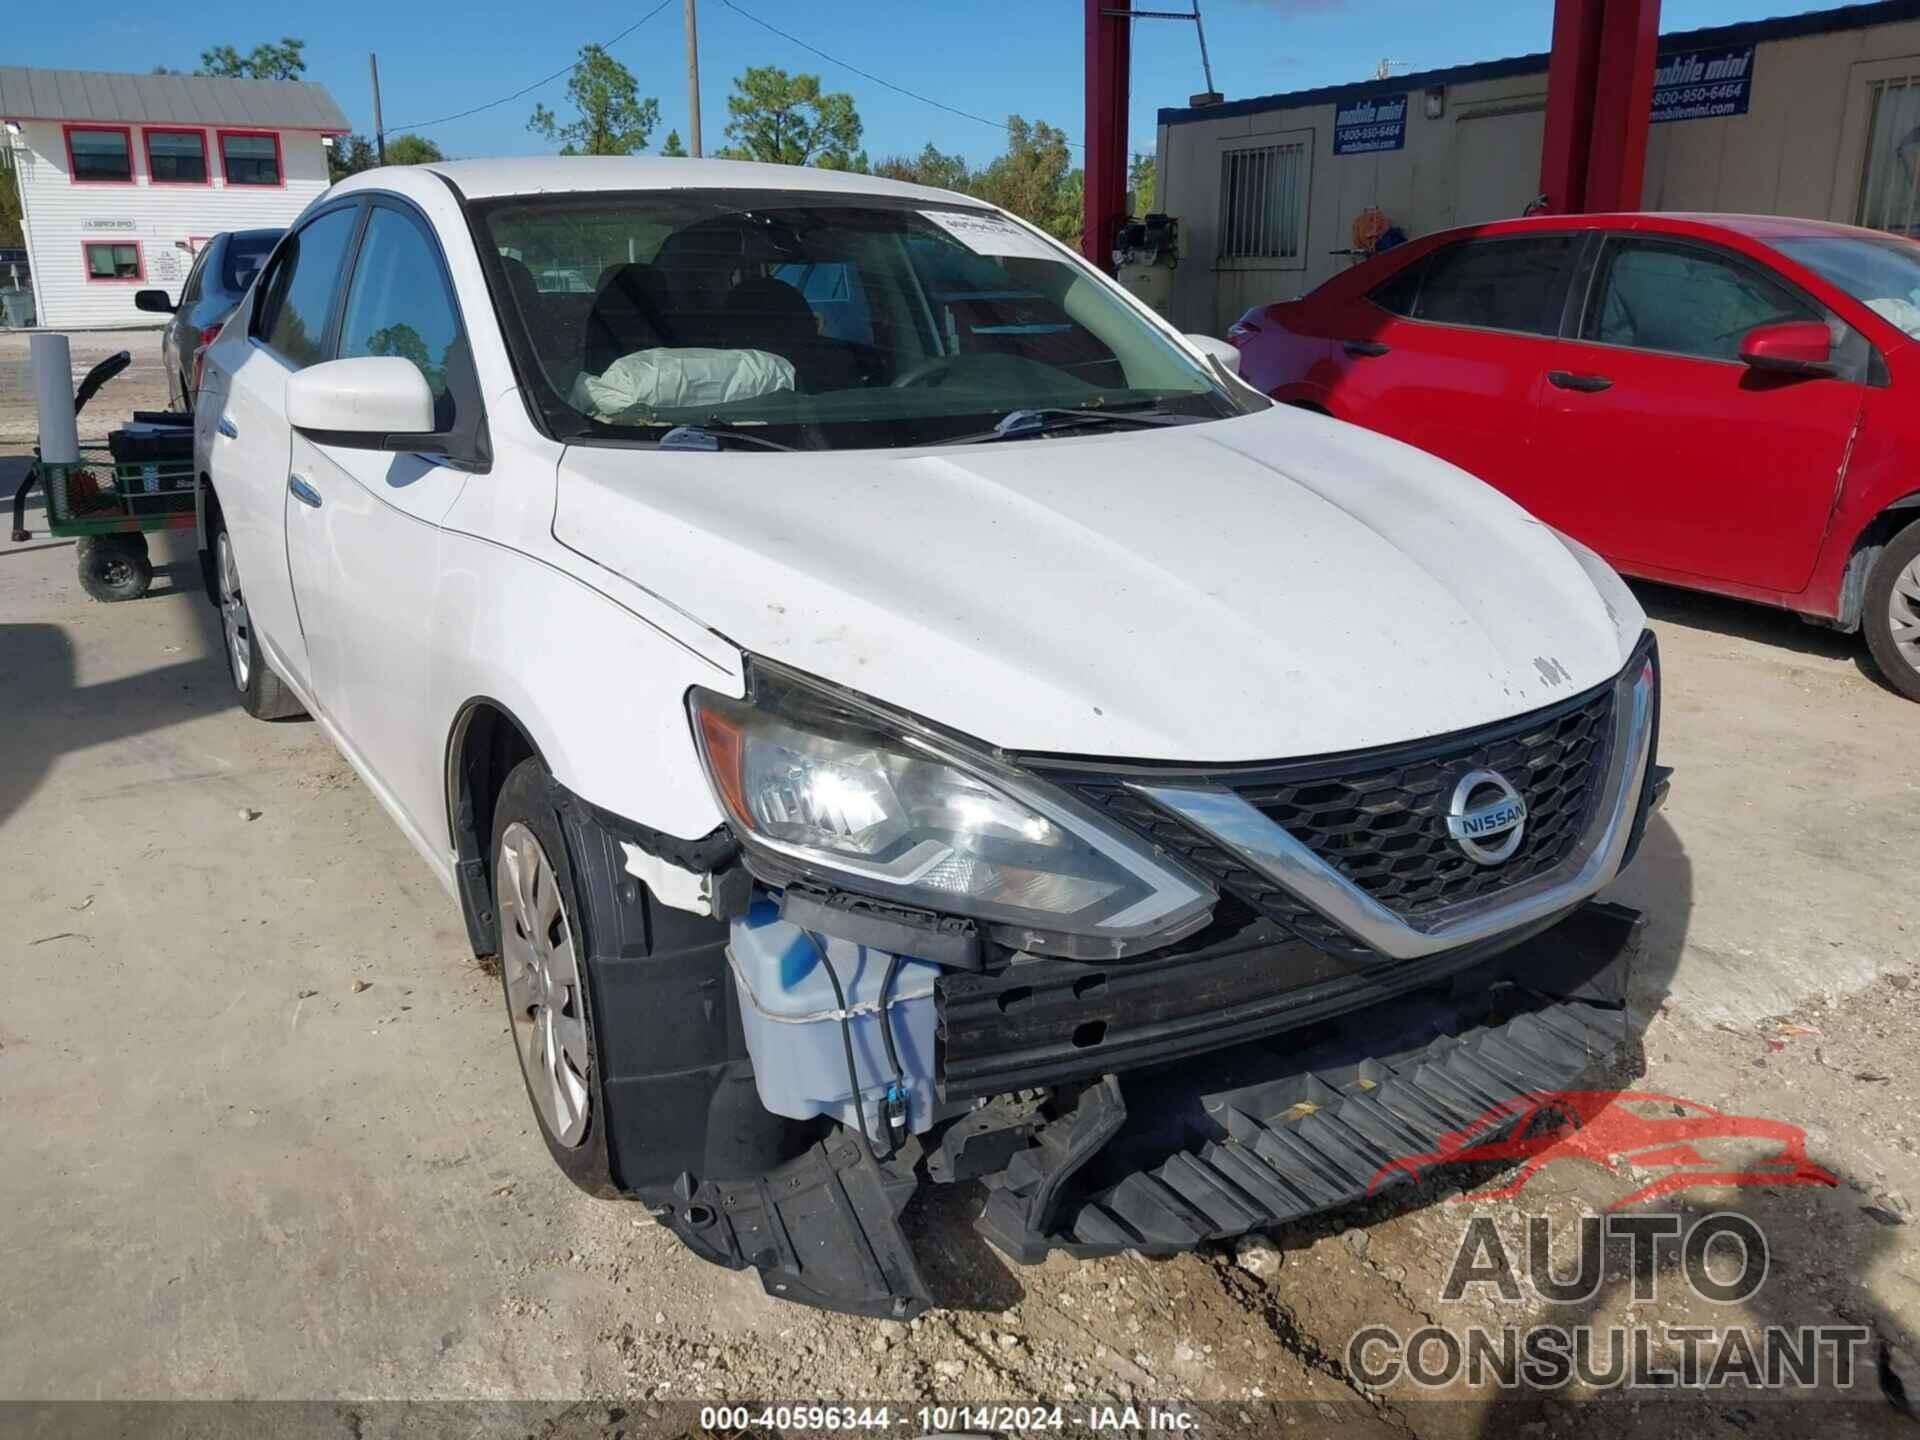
[(1763, 624)]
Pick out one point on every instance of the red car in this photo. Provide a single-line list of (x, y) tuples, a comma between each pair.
[(1725, 402)]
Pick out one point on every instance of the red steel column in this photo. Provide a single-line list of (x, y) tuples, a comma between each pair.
[(1617, 161), (1570, 103), (1109, 54)]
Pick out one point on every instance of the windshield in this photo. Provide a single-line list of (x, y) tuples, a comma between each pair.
[(1882, 274), (820, 322)]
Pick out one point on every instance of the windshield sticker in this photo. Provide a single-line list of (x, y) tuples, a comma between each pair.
[(986, 234)]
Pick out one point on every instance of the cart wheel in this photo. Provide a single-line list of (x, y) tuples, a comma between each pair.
[(114, 567)]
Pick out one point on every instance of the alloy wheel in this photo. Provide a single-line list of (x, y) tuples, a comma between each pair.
[(233, 615), (542, 977), (1903, 612)]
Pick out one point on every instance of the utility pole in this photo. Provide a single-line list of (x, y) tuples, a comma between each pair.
[(379, 128), (693, 85)]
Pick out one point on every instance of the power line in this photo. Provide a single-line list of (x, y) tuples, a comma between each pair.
[(545, 80), (999, 125)]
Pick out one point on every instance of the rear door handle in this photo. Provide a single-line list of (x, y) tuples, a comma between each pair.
[(227, 428), (1567, 380), (302, 490), (1362, 349)]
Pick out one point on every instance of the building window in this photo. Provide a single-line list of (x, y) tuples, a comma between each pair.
[(100, 155), (177, 157), (1262, 202), (250, 158), (1890, 189), (114, 260)]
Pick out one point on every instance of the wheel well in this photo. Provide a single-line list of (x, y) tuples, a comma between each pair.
[(1867, 546), (487, 743), (208, 505)]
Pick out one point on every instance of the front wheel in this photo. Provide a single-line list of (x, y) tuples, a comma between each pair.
[(543, 970), (1892, 616), (263, 694)]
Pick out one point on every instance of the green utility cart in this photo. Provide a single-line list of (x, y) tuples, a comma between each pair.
[(139, 479)]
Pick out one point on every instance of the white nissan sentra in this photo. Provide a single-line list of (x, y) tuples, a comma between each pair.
[(901, 714)]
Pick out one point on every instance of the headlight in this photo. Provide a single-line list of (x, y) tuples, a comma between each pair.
[(825, 786)]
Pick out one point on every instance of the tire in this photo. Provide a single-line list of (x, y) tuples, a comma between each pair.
[(1891, 617), (544, 979), (263, 694), (114, 567)]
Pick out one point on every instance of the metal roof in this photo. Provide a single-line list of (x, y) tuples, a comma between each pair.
[(33, 94), (1746, 32)]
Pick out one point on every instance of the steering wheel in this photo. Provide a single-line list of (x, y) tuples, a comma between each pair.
[(923, 372)]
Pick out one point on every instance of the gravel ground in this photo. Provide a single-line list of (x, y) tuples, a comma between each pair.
[(267, 1140)]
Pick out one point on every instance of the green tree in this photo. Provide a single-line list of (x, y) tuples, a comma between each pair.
[(1035, 179), (265, 61), (930, 167), (349, 155), (1140, 180), (11, 233), (406, 148), (787, 120), (613, 119), (673, 146)]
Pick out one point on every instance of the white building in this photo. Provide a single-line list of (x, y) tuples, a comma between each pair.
[(122, 177)]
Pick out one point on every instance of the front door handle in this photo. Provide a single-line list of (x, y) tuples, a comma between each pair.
[(302, 490), (227, 428), (1364, 349), (1567, 380)]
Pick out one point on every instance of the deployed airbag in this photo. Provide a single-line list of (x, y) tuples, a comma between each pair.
[(670, 379)]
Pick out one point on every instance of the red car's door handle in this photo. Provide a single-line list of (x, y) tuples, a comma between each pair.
[(1361, 349), (1567, 380)]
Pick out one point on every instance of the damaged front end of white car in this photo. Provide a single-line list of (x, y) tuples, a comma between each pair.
[(1142, 1006)]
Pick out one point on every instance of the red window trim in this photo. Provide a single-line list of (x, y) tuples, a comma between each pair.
[(66, 133), (139, 264), (279, 158), (206, 157)]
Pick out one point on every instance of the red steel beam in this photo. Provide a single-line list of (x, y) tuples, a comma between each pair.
[(1570, 104), (1109, 55), (1617, 159)]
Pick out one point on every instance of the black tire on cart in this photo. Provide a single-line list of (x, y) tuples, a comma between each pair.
[(114, 567), (1891, 618)]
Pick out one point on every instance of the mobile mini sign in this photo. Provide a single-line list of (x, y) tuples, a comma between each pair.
[(1368, 126), (1703, 84)]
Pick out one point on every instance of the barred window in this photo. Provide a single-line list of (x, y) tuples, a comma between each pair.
[(1262, 202), (1890, 188)]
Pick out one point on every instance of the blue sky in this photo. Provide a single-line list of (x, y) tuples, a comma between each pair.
[(988, 57)]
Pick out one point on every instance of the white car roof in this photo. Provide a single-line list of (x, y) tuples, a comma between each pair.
[(480, 179)]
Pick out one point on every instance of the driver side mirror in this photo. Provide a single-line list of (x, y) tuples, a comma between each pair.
[(1227, 355), (369, 402), (156, 301), (1790, 347)]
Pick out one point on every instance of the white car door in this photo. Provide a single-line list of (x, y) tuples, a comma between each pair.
[(363, 527), (252, 442)]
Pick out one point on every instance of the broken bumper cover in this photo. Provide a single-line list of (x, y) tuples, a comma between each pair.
[(1158, 1155)]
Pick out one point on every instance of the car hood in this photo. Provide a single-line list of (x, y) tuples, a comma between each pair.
[(1270, 586)]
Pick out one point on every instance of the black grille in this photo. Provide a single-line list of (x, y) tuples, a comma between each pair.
[(1379, 817)]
